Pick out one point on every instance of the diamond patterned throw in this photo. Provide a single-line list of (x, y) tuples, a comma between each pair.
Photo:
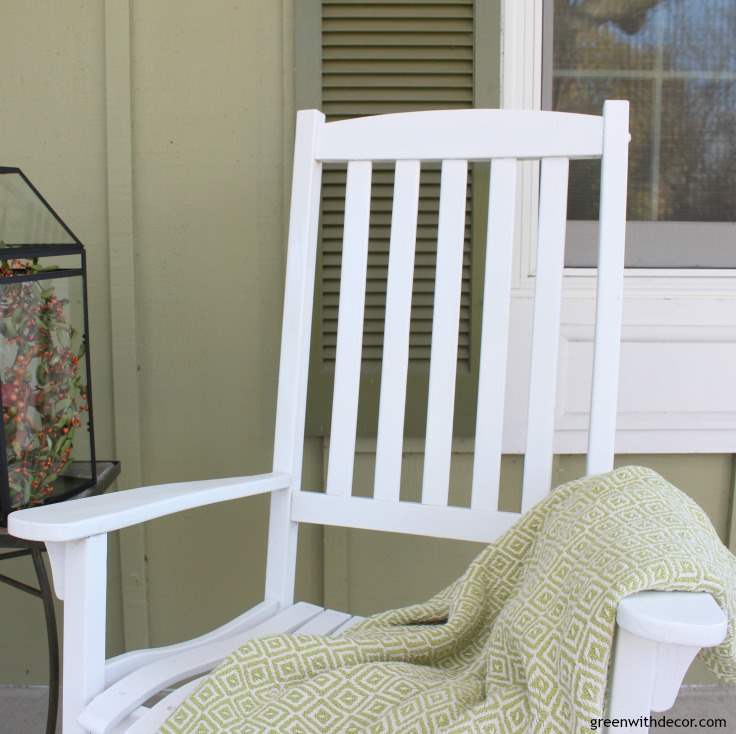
[(520, 643)]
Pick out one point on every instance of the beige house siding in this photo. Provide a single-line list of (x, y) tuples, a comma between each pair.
[(212, 118), (52, 125), (208, 155)]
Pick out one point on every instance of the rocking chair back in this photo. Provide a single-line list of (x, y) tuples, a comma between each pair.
[(452, 138)]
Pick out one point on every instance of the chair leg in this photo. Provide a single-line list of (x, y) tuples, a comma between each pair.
[(52, 637), (84, 593), (632, 683), (647, 676)]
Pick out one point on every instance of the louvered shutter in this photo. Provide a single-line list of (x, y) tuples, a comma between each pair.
[(378, 57)]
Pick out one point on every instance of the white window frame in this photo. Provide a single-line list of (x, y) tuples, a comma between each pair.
[(684, 317)]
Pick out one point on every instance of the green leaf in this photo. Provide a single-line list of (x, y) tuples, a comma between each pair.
[(34, 418), (7, 328)]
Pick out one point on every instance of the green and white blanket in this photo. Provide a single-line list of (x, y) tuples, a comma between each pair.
[(521, 642)]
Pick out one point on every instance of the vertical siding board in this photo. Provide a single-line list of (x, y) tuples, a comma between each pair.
[(123, 328)]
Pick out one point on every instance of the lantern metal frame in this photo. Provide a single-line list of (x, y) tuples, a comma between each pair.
[(31, 251)]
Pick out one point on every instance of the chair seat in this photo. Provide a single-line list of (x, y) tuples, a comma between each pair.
[(120, 707)]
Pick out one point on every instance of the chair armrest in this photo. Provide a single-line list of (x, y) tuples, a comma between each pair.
[(659, 635), (83, 518), (676, 617)]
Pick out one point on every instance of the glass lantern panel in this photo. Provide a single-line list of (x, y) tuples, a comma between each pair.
[(44, 386), (25, 218)]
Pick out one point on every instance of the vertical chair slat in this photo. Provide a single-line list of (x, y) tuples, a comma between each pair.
[(445, 327), (609, 302), (494, 339), (349, 329), (389, 443), (546, 331)]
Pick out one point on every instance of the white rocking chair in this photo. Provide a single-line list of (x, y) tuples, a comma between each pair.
[(659, 633)]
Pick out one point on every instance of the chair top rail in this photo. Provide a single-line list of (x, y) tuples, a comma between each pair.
[(475, 134)]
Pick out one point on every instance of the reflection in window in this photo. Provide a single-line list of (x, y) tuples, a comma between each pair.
[(675, 61)]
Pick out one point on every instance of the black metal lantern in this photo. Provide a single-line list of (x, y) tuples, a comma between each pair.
[(47, 450)]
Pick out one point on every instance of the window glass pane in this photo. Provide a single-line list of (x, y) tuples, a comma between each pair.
[(675, 61), (698, 36), (586, 95), (697, 178)]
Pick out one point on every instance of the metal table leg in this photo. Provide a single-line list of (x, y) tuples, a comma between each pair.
[(45, 593), (52, 636)]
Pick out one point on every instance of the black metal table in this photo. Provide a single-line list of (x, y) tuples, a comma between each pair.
[(107, 473)]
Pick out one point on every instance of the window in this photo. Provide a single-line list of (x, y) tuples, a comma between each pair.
[(674, 60), (678, 355)]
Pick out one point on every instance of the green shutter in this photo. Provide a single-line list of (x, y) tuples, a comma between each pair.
[(394, 57), (382, 57)]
